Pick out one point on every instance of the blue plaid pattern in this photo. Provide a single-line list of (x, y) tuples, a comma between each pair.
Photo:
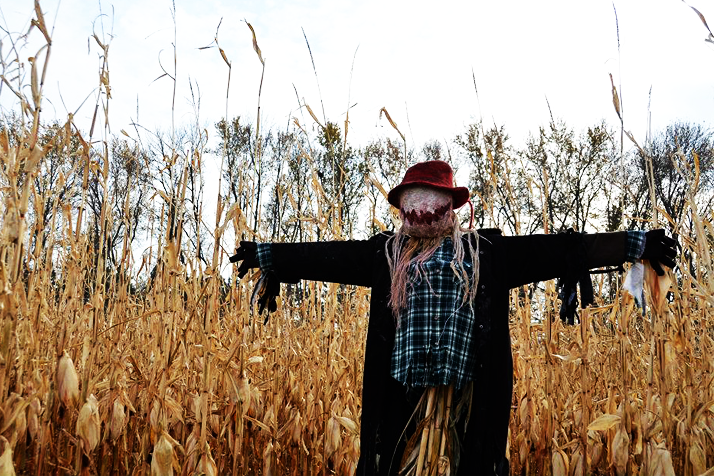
[(264, 254), (433, 341), (634, 245)]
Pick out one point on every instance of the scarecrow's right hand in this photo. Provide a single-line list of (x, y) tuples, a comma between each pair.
[(247, 253), (268, 287), (659, 250)]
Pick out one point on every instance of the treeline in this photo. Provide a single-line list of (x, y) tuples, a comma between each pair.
[(295, 185), (559, 179)]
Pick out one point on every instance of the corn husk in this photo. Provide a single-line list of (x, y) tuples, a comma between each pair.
[(163, 458), (88, 424), (7, 468), (67, 381), (118, 419)]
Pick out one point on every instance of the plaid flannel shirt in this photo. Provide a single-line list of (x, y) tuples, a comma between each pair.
[(634, 245), (432, 345), (264, 253)]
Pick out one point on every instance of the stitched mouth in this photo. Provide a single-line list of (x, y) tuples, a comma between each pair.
[(418, 217)]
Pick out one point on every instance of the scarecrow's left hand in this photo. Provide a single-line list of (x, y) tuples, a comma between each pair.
[(659, 248)]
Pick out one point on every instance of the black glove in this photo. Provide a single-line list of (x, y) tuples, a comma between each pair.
[(659, 248), (247, 253), (569, 297), (267, 288)]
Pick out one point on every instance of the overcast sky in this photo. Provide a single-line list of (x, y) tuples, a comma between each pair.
[(414, 58)]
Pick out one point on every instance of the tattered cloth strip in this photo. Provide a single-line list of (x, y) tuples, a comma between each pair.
[(433, 449), (634, 284), (259, 288), (641, 273)]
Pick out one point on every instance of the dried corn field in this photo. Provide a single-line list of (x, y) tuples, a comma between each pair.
[(161, 366)]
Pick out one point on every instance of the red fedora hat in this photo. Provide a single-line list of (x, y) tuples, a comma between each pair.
[(433, 173)]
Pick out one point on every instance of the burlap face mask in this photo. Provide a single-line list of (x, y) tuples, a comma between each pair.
[(426, 212)]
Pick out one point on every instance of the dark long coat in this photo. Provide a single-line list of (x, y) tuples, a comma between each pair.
[(505, 263)]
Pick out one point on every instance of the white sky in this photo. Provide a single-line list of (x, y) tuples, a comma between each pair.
[(414, 58)]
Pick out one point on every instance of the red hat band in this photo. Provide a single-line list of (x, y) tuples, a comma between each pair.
[(434, 173)]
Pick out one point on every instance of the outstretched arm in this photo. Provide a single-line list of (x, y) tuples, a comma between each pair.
[(532, 258), (345, 262)]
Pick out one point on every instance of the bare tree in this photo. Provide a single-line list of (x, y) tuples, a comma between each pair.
[(682, 165), (341, 173), (386, 166), (236, 146), (569, 173), (496, 179)]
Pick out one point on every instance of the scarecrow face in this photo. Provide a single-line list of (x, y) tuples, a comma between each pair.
[(426, 212)]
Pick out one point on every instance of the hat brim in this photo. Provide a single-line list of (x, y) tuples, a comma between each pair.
[(460, 195)]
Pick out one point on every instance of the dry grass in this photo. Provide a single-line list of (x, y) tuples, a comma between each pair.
[(182, 378)]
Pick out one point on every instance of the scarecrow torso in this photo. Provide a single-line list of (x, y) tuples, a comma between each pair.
[(434, 341)]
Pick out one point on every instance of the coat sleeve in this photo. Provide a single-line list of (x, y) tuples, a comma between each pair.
[(345, 262), (532, 258)]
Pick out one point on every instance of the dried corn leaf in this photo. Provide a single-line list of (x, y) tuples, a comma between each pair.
[(660, 463), (389, 118), (349, 424), (333, 436), (570, 358), (559, 461), (604, 422), (709, 472), (615, 98), (256, 359), (312, 114), (207, 465), (657, 286), (269, 460), (14, 414), (620, 451), (697, 457), (33, 417), (7, 468), (701, 17), (255, 45)]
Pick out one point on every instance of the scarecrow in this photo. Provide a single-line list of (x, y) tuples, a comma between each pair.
[(438, 370)]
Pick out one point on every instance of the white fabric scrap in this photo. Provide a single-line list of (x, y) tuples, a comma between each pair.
[(634, 283)]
